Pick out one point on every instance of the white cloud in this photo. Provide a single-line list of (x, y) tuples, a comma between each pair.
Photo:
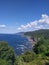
[(45, 16), (44, 19), (2, 26), (39, 27), (43, 22), (34, 23), (19, 28), (28, 25)]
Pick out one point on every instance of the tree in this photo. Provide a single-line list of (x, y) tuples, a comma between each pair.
[(7, 53), (40, 46), (28, 56)]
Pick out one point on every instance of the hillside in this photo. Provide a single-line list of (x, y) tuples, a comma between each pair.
[(20, 33), (38, 33), (38, 56)]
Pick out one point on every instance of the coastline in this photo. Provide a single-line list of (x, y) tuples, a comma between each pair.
[(30, 40)]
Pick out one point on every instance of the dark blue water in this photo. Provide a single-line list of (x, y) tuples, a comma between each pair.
[(18, 42)]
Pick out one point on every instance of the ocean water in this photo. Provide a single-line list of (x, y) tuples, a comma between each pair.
[(18, 42)]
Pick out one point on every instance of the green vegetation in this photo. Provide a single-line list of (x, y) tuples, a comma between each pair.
[(38, 33), (7, 55), (28, 56), (41, 46), (38, 56)]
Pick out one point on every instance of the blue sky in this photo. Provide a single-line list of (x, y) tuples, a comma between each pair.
[(23, 15)]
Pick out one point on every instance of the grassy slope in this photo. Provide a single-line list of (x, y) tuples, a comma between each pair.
[(38, 33), (39, 60)]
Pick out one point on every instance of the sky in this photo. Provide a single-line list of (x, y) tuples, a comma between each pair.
[(23, 15)]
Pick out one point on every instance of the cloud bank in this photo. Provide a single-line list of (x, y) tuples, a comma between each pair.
[(42, 23), (2, 26)]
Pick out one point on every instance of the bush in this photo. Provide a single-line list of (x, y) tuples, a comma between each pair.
[(41, 46), (7, 53), (28, 56)]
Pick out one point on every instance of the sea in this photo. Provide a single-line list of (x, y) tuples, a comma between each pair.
[(20, 43)]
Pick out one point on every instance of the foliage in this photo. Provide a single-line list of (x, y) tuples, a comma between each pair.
[(28, 56), (38, 33), (7, 53), (39, 55), (41, 46)]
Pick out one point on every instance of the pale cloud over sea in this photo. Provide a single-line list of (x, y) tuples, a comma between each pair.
[(42, 23)]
